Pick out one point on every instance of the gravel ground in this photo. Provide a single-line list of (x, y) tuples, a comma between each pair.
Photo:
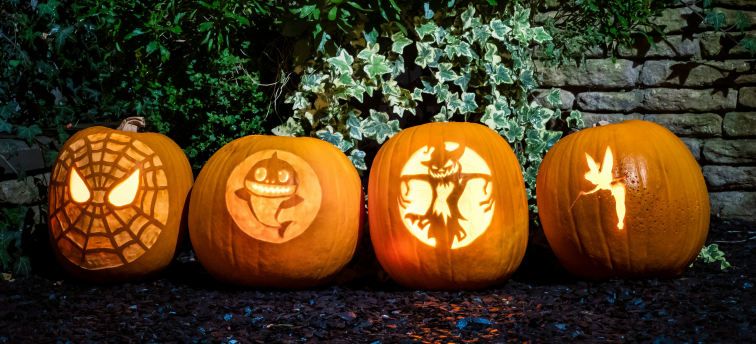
[(541, 303)]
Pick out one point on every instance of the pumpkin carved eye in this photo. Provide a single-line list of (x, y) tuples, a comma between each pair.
[(260, 174), (125, 192), (79, 189), (283, 176)]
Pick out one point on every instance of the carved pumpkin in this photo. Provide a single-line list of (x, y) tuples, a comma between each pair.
[(625, 200), (447, 207), (116, 201), (270, 211)]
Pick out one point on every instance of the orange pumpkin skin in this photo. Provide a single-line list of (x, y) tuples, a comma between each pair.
[(476, 247), (666, 216), (98, 241), (244, 240)]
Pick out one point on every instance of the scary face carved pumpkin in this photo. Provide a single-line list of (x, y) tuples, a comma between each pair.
[(116, 202), (276, 212), (643, 211), (447, 207)]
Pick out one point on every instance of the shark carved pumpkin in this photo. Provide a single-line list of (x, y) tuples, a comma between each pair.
[(447, 207), (642, 212), (271, 211), (116, 202)]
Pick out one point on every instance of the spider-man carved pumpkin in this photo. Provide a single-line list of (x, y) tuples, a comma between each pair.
[(447, 207), (625, 200), (270, 211), (116, 201)]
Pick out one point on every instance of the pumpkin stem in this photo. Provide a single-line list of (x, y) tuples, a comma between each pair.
[(600, 123), (132, 124)]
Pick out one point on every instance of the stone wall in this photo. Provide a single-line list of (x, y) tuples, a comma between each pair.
[(698, 84)]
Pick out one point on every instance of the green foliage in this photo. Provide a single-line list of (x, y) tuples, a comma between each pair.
[(191, 68), (580, 25), (477, 64), (718, 21), (11, 257), (712, 254)]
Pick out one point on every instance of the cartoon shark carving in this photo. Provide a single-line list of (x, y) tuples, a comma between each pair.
[(270, 186)]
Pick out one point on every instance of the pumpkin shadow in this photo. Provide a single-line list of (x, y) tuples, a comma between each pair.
[(540, 265)]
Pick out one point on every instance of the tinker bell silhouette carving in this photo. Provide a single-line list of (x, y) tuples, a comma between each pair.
[(270, 186), (448, 182)]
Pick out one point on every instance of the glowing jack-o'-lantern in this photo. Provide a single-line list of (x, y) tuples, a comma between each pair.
[(447, 207), (116, 200), (644, 212), (276, 212)]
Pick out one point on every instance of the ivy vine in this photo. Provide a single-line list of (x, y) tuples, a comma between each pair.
[(479, 67)]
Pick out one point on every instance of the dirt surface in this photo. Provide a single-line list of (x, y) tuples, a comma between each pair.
[(541, 303)]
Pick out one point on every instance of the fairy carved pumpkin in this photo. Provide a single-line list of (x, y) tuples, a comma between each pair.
[(270, 211), (447, 207), (625, 200), (116, 202)]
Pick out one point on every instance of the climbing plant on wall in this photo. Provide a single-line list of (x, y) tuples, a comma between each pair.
[(477, 65)]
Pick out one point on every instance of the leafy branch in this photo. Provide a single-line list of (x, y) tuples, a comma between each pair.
[(718, 20)]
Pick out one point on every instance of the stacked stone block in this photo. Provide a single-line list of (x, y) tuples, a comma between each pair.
[(698, 83)]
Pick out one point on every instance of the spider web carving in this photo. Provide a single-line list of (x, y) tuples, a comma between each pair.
[(96, 234)]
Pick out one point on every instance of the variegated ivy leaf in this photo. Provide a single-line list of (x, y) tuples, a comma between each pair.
[(524, 34), (540, 35), (499, 30), (377, 126), (538, 142), (417, 94), (527, 79), (357, 157), (299, 100), (495, 118), (530, 175), (353, 125), (467, 17), (513, 132), (468, 103), (464, 78), (492, 54), (442, 116), (391, 88), (314, 82), (371, 38), (428, 88), (538, 118), (481, 34), (426, 55), (442, 92), (400, 41), (554, 98), (575, 120), (399, 110), (499, 74), (334, 138), (357, 91), (345, 80), (290, 128), (377, 66), (457, 47), (453, 103), (521, 17), (440, 36), (369, 51), (445, 72), (397, 67), (342, 62), (430, 28)]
